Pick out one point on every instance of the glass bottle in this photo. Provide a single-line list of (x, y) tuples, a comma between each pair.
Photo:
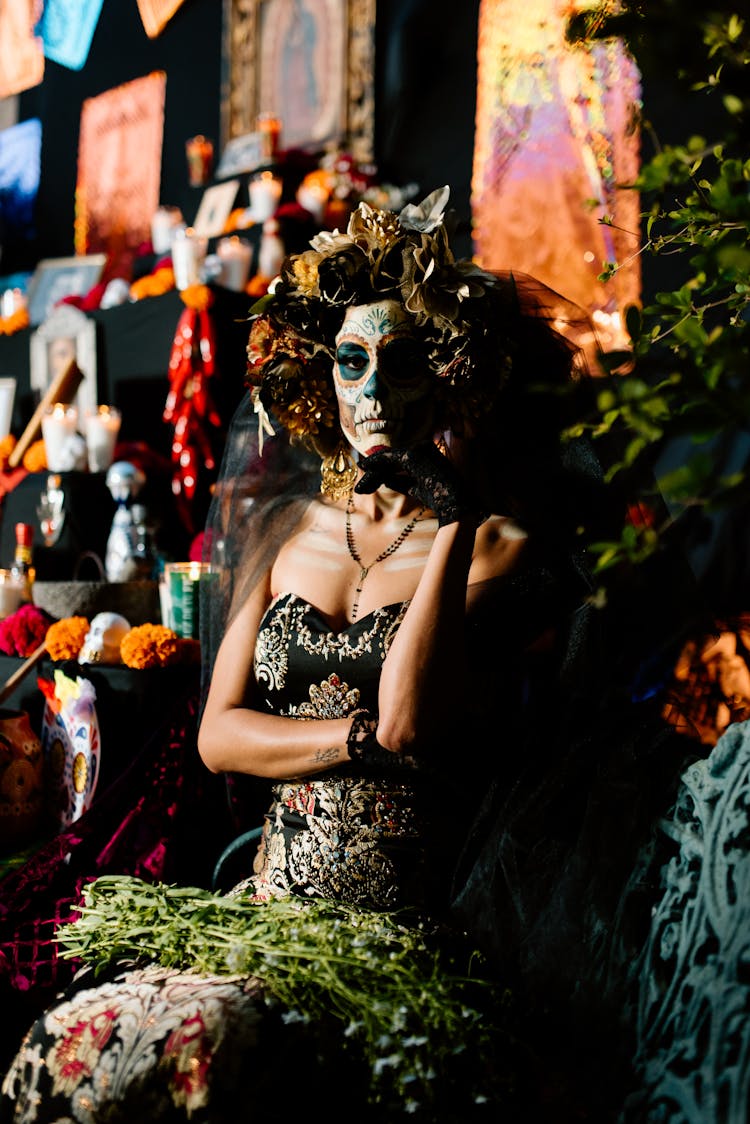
[(22, 570)]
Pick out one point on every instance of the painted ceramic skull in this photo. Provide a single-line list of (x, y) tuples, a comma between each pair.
[(382, 384), (102, 641)]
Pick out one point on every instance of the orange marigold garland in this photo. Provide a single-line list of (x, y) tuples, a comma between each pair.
[(150, 645), (65, 637)]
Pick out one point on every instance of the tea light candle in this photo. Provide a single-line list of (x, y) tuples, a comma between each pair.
[(265, 193), (59, 427), (102, 427), (235, 256)]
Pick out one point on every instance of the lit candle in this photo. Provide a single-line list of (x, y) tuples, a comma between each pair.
[(102, 427), (183, 597), (163, 223), (235, 256), (265, 193), (11, 593), (188, 255), (59, 426), (200, 157), (313, 197)]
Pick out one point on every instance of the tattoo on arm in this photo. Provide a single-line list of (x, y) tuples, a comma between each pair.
[(324, 756)]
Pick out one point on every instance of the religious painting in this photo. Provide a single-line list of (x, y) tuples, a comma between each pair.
[(557, 133), (308, 63), (21, 49), (119, 167)]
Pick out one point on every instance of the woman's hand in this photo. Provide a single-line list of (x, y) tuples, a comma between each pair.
[(423, 473)]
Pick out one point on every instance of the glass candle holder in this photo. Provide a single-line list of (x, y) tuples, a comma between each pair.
[(265, 193), (59, 428), (101, 429), (200, 158), (182, 596)]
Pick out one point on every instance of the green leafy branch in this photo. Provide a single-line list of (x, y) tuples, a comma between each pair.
[(413, 1014)]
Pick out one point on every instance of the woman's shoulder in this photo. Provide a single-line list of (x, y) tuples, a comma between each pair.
[(500, 547)]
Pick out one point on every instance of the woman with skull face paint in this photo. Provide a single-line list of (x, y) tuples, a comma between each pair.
[(370, 646)]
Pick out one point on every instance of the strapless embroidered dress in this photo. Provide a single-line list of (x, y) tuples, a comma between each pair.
[(342, 834)]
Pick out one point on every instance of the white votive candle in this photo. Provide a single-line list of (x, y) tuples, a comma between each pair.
[(101, 429), (11, 593), (235, 256), (265, 193), (188, 255), (59, 427)]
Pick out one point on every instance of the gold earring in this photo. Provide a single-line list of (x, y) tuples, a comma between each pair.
[(338, 474)]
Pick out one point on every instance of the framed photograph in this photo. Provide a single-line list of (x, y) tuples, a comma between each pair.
[(66, 334), (242, 154), (309, 63), (215, 208), (55, 278), (7, 398)]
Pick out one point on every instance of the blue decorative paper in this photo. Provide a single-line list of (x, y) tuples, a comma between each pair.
[(67, 28)]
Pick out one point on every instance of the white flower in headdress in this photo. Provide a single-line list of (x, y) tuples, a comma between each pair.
[(427, 215), (329, 240), (264, 422)]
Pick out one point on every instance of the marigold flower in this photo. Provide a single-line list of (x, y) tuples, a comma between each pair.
[(35, 457), (197, 297), (65, 637), (17, 320), (150, 645), (7, 445), (156, 283)]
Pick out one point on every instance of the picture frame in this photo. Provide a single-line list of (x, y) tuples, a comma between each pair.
[(215, 208), (66, 334), (55, 278), (7, 399), (242, 154), (315, 57)]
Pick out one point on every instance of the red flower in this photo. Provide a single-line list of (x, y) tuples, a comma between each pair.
[(23, 631), (641, 515)]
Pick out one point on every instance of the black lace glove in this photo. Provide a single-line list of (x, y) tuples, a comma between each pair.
[(363, 746), (424, 473)]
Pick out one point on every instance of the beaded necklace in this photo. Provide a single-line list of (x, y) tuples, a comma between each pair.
[(405, 531)]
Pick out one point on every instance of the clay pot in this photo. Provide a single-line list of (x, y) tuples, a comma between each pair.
[(21, 780)]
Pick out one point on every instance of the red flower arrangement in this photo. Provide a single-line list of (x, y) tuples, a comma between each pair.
[(22, 632)]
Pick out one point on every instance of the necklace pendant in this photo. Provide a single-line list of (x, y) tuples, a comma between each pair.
[(364, 571)]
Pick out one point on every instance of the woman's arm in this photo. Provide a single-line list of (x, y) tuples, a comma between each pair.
[(235, 738), (424, 682)]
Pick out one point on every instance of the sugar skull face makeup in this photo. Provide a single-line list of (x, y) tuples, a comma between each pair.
[(381, 379)]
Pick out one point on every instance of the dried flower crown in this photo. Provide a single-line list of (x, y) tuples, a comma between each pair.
[(456, 307)]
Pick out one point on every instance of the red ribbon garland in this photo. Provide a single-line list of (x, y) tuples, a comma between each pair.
[(189, 407)]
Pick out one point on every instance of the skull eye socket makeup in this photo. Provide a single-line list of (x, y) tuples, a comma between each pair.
[(400, 360), (352, 361)]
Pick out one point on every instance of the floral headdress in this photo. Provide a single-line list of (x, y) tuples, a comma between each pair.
[(456, 308)]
